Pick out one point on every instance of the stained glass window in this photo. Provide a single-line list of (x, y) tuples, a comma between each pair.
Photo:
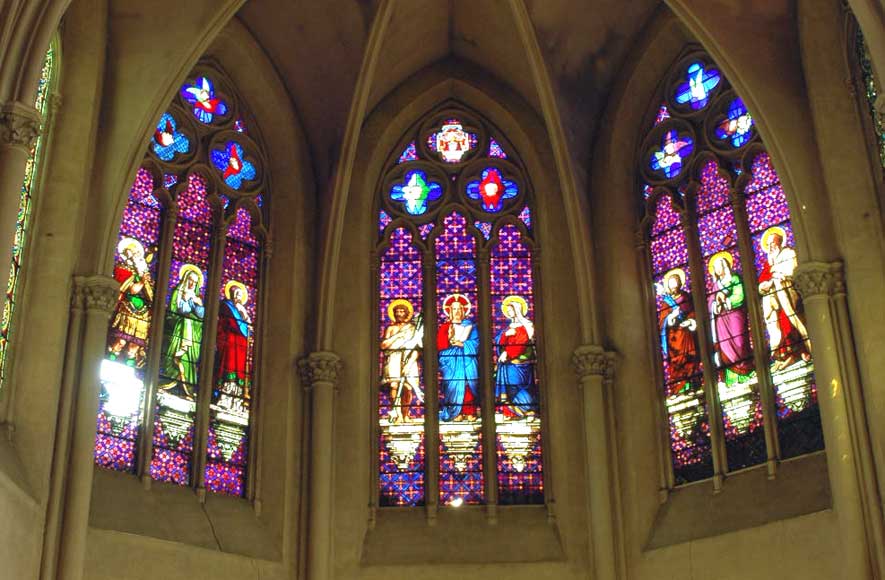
[(48, 74), (443, 338), (871, 90), (735, 357), (179, 377)]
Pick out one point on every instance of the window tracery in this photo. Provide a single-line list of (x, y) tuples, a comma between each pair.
[(178, 380), (457, 341), (735, 360)]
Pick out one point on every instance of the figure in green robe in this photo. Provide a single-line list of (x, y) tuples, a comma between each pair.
[(182, 357)]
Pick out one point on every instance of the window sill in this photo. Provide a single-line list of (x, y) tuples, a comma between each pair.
[(464, 535), (693, 512), (173, 513)]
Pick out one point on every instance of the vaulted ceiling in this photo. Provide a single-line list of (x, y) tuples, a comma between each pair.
[(319, 47)]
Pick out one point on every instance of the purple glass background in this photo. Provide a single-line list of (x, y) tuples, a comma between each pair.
[(456, 273), (410, 153), (401, 276), (511, 274), (115, 442)]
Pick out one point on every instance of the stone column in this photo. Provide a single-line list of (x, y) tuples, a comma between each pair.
[(595, 369), (822, 287), (19, 127), (100, 295), (319, 375)]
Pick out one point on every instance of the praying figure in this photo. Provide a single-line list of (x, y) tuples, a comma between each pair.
[(728, 311), (186, 313)]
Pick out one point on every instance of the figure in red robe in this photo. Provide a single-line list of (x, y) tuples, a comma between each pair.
[(234, 332)]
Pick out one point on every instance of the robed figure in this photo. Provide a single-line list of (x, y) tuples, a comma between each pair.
[(728, 311), (234, 332), (678, 326), (186, 313), (132, 314), (781, 304), (515, 373), (457, 342)]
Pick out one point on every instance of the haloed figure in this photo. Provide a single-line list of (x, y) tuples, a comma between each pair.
[(678, 325), (186, 311), (234, 331), (515, 376), (132, 315), (402, 344), (729, 320), (457, 342)]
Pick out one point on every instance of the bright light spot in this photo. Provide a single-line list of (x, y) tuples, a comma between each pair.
[(123, 388), (457, 502)]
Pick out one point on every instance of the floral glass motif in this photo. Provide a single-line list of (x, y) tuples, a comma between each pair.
[(451, 141), (492, 189), (233, 165), (452, 242), (721, 302), (698, 86), (206, 105), (410, 153), (663, 114), (22, 223), (737, 126), (416, 192), (670, 158), (168, 140)]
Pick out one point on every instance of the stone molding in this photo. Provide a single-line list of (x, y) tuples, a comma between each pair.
[(590, 360), (19, 125), (819, 279), (100, 293), (320, 368)]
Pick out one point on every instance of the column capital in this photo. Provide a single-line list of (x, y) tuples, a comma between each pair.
[(19, 125), (824, 279), (98, 292), (320, 368), (590, 360)]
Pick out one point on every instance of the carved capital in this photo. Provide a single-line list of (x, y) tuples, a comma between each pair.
[(320, 368), (98, 292), (592, 360), (19, 125), (814, 279)]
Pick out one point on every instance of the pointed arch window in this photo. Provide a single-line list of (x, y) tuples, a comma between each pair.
[(46, 86), (735, 360), (179, 377), (458, 412)]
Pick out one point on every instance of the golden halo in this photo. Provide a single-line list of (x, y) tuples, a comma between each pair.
[(185, 268), (400, 302), (770, 232), (464, 300), (229, 287), (715, 257), (513, 299), (128, 243), (679, 273)]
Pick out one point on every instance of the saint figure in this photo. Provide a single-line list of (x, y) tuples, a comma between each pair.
[(780, 301), (402, 344), (515, 373), (132, 315), (728, 311), (186, 319), (457, 342), (234, 332), (678, 325)]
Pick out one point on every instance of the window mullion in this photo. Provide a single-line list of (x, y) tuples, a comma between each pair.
[(487, 401), (207, 357), (155, 342), (698, 291), (760, 351), (431, 389)]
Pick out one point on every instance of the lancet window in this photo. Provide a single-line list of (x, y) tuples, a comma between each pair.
[(458, 388), (734, 357), (179, 381)]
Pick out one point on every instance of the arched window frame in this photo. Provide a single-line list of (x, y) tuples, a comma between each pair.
[(171, 178), (490, 149), (46, 103), (734, 165)]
